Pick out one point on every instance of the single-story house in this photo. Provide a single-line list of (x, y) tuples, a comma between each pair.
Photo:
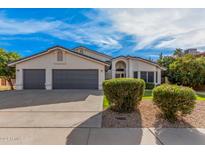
[(79, 68), (4, 82)]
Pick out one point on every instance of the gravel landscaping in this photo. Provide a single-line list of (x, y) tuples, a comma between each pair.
[(148, 115)]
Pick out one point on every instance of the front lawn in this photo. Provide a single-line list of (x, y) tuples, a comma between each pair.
[(148, 96), (199, 95)]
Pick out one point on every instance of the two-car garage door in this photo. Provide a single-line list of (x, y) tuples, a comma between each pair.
[(75, 79), (61, 79)]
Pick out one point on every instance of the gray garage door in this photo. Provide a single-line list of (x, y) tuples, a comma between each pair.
[(34, 79), (75, 79)]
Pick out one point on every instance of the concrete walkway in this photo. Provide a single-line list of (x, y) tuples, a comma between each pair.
[(102, 136)]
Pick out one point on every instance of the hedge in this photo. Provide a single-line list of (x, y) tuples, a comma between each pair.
[(173, 100), (124, 94), (149, 85)]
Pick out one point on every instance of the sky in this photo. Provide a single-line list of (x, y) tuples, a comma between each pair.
[(137, 32)]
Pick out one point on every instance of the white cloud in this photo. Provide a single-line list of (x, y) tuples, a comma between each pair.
[(174, 28), (155, 28), (85, 33), (12, 27)]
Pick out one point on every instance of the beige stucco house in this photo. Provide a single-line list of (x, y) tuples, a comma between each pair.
[(79, 68)]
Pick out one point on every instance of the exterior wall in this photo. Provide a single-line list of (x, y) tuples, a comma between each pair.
[(133, 65), (108, 75), (92, 54), (49, 62), (139, 66)]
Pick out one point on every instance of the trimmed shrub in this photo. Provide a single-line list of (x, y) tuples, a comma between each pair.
[(173, 100), (149, 85), (124, 94)]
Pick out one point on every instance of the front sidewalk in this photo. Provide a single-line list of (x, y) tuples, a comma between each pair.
[(102, 136)]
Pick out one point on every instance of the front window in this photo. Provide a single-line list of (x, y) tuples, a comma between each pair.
[(135, 74), (143, 75), (60, 56), (147, 76), (151, 77)]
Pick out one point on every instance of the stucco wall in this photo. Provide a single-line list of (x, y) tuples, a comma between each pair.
[(137, 65), (133, 65), (49, 62)]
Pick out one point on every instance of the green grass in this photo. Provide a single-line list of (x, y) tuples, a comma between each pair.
[(148, 95), (200, 96), (105, 103)]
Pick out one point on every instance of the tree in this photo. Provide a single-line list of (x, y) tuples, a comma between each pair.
[(7, 72), (178, 52), (161, 56), (188, 70), (165, 62)]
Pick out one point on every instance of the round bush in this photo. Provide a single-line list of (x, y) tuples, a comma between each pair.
[(173, 100), (124, 94)]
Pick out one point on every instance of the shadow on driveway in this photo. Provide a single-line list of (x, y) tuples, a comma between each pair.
[(25, 98), (105, 136)]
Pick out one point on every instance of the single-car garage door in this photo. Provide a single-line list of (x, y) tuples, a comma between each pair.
[(34, 79), (75, 79)]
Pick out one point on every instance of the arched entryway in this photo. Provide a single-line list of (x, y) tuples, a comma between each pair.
[(120, 71)]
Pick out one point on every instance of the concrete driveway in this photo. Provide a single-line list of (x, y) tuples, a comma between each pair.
[(40, 109), (74, 117)]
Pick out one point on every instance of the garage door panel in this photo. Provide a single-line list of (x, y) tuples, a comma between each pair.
[(75, 79), (34, 79)]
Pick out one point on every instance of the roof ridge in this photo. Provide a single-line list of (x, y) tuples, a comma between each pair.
[(53, 47), (128, 56), (92, 51)]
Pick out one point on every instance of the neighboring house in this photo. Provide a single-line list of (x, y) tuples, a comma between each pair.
[(4, 82), (80, 68), (192, 51)]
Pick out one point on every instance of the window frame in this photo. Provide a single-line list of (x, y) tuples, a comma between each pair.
[(147, 76), (60, 56), (135, 74), (81, 51)]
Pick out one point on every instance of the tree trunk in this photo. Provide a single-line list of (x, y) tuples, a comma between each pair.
[(11, 84)]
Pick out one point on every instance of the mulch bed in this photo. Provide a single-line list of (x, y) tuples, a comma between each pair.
[(148, 115)]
